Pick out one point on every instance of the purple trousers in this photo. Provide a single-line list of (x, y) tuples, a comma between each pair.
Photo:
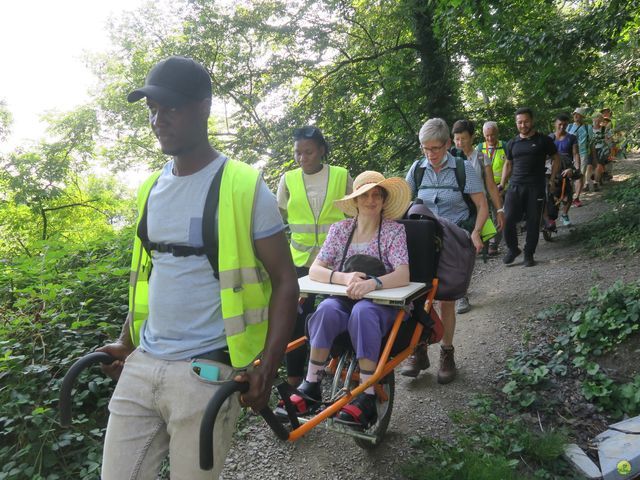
[(366, 322)]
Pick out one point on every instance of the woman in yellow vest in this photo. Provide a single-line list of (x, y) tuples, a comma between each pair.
[(305, 198)]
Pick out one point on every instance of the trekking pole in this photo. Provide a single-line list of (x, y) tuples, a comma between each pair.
[(64, 404), (211, 412)]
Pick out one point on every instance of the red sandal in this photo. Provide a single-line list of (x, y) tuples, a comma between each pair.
[(306, 399), (361, 413)]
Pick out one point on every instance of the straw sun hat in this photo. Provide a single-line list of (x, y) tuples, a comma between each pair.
[(398, 194)]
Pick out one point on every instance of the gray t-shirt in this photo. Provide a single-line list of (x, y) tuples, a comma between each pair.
[(185, 316)]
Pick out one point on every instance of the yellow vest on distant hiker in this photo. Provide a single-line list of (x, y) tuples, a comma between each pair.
[(307, 232), (245, 288), (498, 159)]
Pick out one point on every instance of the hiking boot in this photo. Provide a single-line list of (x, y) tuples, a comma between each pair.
[(447, 371), (577, 203), (511, 256), (463, 305), (416, 362), (565, 220), (528, 260)]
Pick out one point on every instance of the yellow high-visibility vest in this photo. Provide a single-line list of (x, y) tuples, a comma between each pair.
[(498, 160), (307, 232), (245, 288)]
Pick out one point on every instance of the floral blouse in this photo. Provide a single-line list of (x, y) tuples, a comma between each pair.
[(393, 245)]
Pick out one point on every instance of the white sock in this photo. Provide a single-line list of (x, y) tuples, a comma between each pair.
[(314, 370), (364, 377)]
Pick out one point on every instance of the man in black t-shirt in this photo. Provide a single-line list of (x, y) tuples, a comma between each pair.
[(525, 164)]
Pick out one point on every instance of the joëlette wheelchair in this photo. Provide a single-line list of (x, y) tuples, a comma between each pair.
[(422, 325)]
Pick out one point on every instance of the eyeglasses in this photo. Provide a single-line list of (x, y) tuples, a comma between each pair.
[(306, 132), (432, 149)]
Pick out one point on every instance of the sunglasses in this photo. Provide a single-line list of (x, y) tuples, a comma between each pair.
[(306, 132)]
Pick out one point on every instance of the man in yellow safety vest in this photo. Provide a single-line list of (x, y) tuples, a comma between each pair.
[(211, 290), (494, 149)]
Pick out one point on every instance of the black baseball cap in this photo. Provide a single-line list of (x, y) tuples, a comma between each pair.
[(175, 81)]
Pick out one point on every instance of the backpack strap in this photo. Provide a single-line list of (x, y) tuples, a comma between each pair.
[(460, 181), (209, 230), (418, 175), (461, 178)]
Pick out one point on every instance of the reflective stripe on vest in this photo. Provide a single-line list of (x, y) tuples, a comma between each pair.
[(497, 162), (308, 233), (245, 289)]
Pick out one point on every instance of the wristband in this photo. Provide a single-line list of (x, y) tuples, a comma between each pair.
[(331, 276), (500, 210), (377, 280)]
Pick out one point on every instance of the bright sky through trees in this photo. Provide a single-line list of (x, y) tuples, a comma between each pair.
[(41, 45)]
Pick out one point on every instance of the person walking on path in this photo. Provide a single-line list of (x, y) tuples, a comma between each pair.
[(211, 291), (305, 199), (463, 131), (494, 149), (567, 146), (588, 160), (438, 188), (525, 169)]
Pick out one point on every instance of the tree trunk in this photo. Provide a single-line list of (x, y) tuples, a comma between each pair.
[(437, 68)]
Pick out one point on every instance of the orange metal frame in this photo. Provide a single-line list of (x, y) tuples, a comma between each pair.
[(384, 367)]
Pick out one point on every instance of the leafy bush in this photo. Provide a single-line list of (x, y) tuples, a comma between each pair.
[(54, 308), (618, 229), (603, 321)]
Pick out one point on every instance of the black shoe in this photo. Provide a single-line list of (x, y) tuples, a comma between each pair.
[(529, 261), (511, 256), (361, 413), (306, 399)]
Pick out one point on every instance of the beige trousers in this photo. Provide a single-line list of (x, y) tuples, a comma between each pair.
[(156, 410)]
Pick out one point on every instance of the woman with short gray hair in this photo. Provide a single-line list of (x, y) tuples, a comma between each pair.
[(435, 129), (433, 179)]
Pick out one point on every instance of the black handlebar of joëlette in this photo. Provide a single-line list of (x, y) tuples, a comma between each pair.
[(208, 419), (70, 378), (211, 412)]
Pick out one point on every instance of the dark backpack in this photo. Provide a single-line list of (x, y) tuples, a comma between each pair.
[(461, 179), (456, 255), (209, 230)]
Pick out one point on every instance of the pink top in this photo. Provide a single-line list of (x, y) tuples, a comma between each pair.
[(393, 245)]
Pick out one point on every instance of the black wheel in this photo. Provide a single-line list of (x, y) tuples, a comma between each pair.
[(379, 428), (547, 235)]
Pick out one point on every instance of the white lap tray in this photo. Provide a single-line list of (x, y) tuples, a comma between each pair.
[(387, 296)]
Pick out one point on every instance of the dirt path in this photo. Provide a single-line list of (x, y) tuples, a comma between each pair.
[(503, 299)]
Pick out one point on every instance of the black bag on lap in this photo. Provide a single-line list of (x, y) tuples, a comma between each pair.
[(366, 264)]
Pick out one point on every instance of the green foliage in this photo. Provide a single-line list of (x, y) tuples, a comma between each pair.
[(56, 307), (490, 443), (6, 119), (602, 322), (489, 446), (618, 229)]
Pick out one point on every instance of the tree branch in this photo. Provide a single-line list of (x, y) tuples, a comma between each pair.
[(340, 65)]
